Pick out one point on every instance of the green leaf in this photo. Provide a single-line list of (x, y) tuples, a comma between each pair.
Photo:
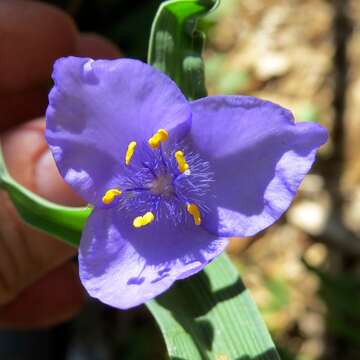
[(212, 316), (63, 222), (175, 45)]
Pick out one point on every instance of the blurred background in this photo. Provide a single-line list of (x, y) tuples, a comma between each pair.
[(304, 272)]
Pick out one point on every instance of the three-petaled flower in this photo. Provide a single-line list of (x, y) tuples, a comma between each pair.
[(170, 180)]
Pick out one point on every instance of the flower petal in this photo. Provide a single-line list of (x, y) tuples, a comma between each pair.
[(124, 267), (259, 157), (97, 107)]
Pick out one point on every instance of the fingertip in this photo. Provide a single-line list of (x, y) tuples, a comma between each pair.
[(51, 185), (29, 161), (22, 146)]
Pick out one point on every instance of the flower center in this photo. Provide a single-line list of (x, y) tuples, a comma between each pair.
[(162, 185), (161, 182)]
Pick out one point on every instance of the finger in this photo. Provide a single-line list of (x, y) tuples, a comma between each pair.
[(96, 47), (40, 173), (16, 108), (33, 35), (55, 298), (24, 95), (25, 253)]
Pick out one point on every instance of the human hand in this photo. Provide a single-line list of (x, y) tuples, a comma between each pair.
[(39, 286)]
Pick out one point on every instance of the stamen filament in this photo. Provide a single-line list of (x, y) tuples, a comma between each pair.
[(110, 196), (136, 189), (162, 156), (160, 136), (145, 165), (130, 152), (194, 211), (141, 221), (182, 164)]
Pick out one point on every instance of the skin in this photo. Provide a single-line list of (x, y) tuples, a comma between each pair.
[(39, 284)]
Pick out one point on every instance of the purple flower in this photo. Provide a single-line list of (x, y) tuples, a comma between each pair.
[(169, 179)]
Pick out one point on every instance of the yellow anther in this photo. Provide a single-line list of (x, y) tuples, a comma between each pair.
[(156, 139), (130, 152), (194, 211), (182, 164), (110, 196), (141, 221)]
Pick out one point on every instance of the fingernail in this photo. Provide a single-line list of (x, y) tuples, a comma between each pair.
[(51, 185)]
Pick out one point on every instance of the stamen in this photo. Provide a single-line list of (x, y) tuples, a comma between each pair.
[(141, 221), (110, 196), (130, 152), (182, 164), (194, 211), (156, 139)]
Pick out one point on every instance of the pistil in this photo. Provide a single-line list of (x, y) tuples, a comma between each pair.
[(162, 185)]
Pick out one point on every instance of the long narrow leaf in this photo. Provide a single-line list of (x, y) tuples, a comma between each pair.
[(211, 315), (175, 45), (63, 222)]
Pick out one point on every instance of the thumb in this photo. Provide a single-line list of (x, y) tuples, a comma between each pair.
[(26, 254), (30, 162)]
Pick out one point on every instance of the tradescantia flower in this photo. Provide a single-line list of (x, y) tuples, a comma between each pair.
[(169, 179)]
